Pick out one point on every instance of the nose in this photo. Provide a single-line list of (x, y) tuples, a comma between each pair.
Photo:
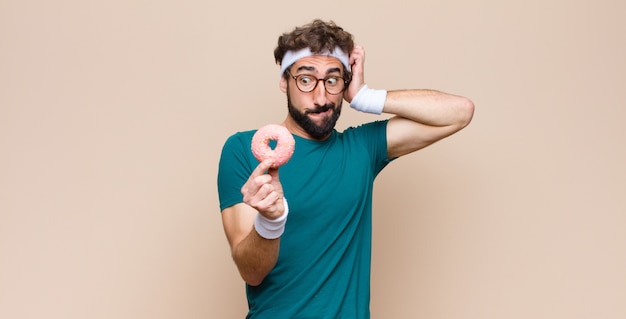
[(319, 93)]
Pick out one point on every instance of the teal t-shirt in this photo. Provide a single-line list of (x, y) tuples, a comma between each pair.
[(323, 267)]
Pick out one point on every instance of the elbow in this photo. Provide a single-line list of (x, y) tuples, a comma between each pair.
[(253, 267), (253, 273), (252, 280), (466, 112)]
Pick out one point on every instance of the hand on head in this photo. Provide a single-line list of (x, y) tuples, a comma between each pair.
[(357, 62)]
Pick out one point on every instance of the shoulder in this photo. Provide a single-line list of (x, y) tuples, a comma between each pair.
[(375, 126), (238, 140), (240, 136), (236, 149), (367, 131)]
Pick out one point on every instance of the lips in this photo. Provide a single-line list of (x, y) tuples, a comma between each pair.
[(319, 110)]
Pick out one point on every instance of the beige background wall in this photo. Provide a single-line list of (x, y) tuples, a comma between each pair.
[(113, 113)]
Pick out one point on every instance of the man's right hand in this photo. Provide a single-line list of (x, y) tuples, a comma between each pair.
[(264, 192)]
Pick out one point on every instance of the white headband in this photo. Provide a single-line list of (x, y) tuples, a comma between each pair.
[(292, 56)]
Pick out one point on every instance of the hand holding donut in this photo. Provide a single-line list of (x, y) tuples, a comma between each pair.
[(264, 192)]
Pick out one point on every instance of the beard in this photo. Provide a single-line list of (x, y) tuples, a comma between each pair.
[(316, 131)]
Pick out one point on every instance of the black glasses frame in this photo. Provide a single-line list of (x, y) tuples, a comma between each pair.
[(295, 78)]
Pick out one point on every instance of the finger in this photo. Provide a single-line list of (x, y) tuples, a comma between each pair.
[(262, 193), (357, 54), (273, 174), (271, 206), (257, 179), (270, 200), (261, 168), (254, 184)]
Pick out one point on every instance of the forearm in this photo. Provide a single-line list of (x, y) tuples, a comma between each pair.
[(255, 257), (423, 117), (254, 227), (429, 107)]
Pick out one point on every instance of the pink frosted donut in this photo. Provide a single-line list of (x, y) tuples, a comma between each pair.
[(285, 144)]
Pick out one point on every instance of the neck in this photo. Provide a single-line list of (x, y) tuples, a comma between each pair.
[(297, 130)]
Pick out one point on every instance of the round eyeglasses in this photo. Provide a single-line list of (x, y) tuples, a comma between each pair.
[(307, 83)]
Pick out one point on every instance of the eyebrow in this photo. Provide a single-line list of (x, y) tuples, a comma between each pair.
[(311, 68)]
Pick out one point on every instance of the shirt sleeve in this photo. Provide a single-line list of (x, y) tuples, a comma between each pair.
[(374, 135), (234, 170)]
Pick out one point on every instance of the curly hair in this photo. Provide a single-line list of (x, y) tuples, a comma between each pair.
[(319, 36)]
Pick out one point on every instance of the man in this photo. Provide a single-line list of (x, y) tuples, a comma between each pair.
[(300, 235)]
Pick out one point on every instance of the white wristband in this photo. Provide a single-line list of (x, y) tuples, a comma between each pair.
[(369, 100), (271, 228)]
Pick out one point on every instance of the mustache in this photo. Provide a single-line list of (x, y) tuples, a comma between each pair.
[(321, 109)]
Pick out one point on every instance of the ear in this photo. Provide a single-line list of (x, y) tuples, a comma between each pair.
[(283, 84)]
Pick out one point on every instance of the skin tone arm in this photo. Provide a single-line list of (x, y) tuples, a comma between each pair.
[(254, 255), (422, 117)]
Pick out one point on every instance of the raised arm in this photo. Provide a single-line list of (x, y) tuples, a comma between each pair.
[(422, 117), (254, 255)]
